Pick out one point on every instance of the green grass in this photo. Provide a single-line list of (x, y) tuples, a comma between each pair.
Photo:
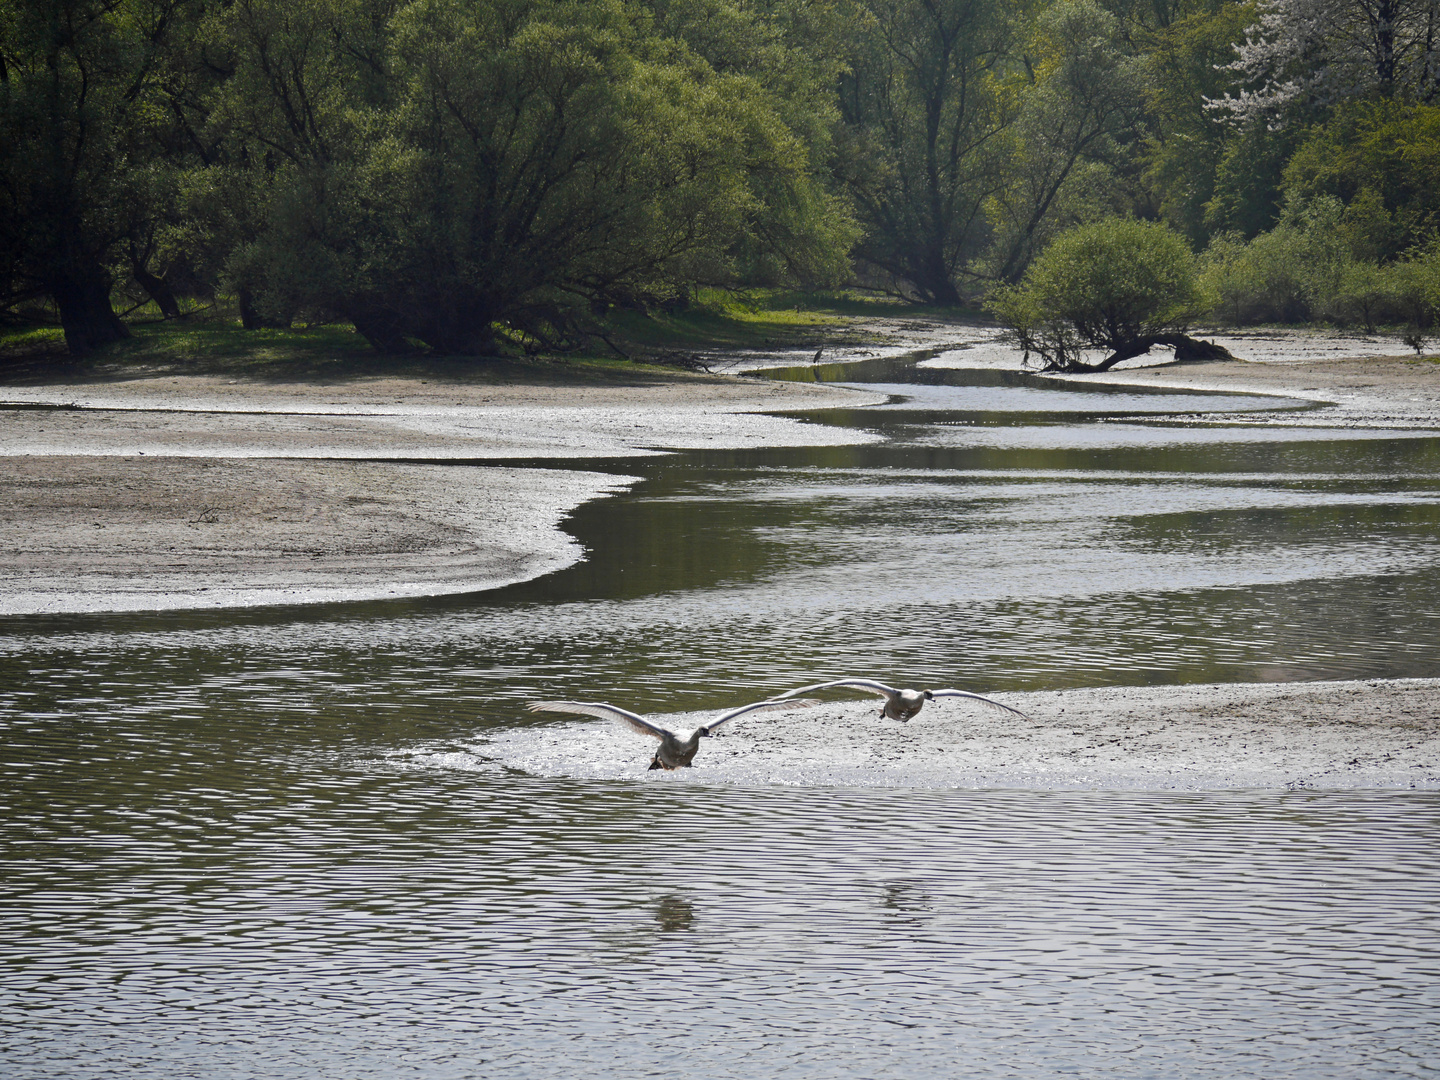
[(226, 344), (29, 339), (754, 319), (650, 342)]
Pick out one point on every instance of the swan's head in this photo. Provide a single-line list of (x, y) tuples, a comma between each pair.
[(929, 696), (702, 732)]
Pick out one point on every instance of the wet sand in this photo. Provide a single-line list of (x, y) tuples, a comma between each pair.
[(1361, 386), (183, 492), (84, 534), (174, 492), (1373, 734)]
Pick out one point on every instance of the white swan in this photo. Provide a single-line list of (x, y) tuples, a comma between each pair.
[(676, 751), (899, 704)]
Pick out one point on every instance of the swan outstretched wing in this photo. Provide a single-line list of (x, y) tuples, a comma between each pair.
[(859, 684), (977, 697), (762, 706), (598, 708)]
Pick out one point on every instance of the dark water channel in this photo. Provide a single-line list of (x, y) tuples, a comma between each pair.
[(273, 843)]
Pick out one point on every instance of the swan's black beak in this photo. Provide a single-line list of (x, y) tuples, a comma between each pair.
[(929, 696), (704, 732)]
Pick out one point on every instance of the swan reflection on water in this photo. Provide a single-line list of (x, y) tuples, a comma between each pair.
[(674, 913)]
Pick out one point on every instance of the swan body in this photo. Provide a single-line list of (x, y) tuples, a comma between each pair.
[(677, 750), (900, 705)]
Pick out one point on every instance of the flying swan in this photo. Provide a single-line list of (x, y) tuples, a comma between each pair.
[(899, 704), (676, 751)]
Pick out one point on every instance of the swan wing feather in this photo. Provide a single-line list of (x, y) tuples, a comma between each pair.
[(978, 697), (634, 721), (767, 705), (860, 684)]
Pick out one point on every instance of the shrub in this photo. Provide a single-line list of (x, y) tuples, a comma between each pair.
[(1415, 292), (1117, 284)]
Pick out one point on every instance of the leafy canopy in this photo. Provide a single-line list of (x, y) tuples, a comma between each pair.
[(1116, 284)]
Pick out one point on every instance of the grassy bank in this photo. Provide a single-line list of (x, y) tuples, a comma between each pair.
[(657, 341)]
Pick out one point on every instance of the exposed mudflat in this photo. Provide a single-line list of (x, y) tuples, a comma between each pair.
[(98, 513), (1360, 381), (203, 491), (1374, 734), (1377, 392), (200, 492), (152, 533)]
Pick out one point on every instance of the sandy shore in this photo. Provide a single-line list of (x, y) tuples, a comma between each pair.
[(183, 492), (1359, 387), (203, 491), (154, 533), (172, 491)]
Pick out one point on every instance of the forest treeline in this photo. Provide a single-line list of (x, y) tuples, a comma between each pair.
[(467, 175)]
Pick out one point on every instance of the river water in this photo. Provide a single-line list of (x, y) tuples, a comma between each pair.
[(301, 842)]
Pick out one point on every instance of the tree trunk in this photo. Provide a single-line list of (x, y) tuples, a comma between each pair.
[(385, 333), (159, 290), (86, 316), (1186, 348), (462, 325), (932, 278)]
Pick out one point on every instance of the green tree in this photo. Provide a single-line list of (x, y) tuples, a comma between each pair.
[(87, 110), (1118, 285), (510, 164), (1186, 61), (1080, 111), (1249, 180), (924, 108), (1415, 289), (1381, 160), (1314, 264)]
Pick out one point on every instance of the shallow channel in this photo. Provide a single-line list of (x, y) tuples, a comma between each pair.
[(274, 843)]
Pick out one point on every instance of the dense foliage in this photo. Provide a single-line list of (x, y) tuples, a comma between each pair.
[(1117, 285), (477, 176)]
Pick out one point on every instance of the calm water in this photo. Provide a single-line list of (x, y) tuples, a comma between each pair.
[(275, 843)]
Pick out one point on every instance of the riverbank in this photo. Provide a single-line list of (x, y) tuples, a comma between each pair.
[(1360, 382), (135, 489), (158, 492)]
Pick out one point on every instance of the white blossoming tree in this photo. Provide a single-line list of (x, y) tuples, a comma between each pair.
[(1330, 50)]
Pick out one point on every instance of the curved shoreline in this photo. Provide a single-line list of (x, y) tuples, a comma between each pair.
[(169, 493), (165, 492), (1379, 392), (194, 492)]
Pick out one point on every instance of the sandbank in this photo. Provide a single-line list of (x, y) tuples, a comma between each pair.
[(1381, 733), (1358, 381), (204, 491), (173, 491)]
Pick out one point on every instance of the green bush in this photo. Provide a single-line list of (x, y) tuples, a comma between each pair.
[(1414, 289), (1117, 284), (1299, 271)]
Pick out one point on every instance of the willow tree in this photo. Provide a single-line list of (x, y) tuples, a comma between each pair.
[(1081, 104), (84, 96), (924, 112), (454, 170), (1118, 285)]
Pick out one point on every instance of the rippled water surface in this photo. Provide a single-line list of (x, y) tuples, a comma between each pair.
[(276, 844)]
